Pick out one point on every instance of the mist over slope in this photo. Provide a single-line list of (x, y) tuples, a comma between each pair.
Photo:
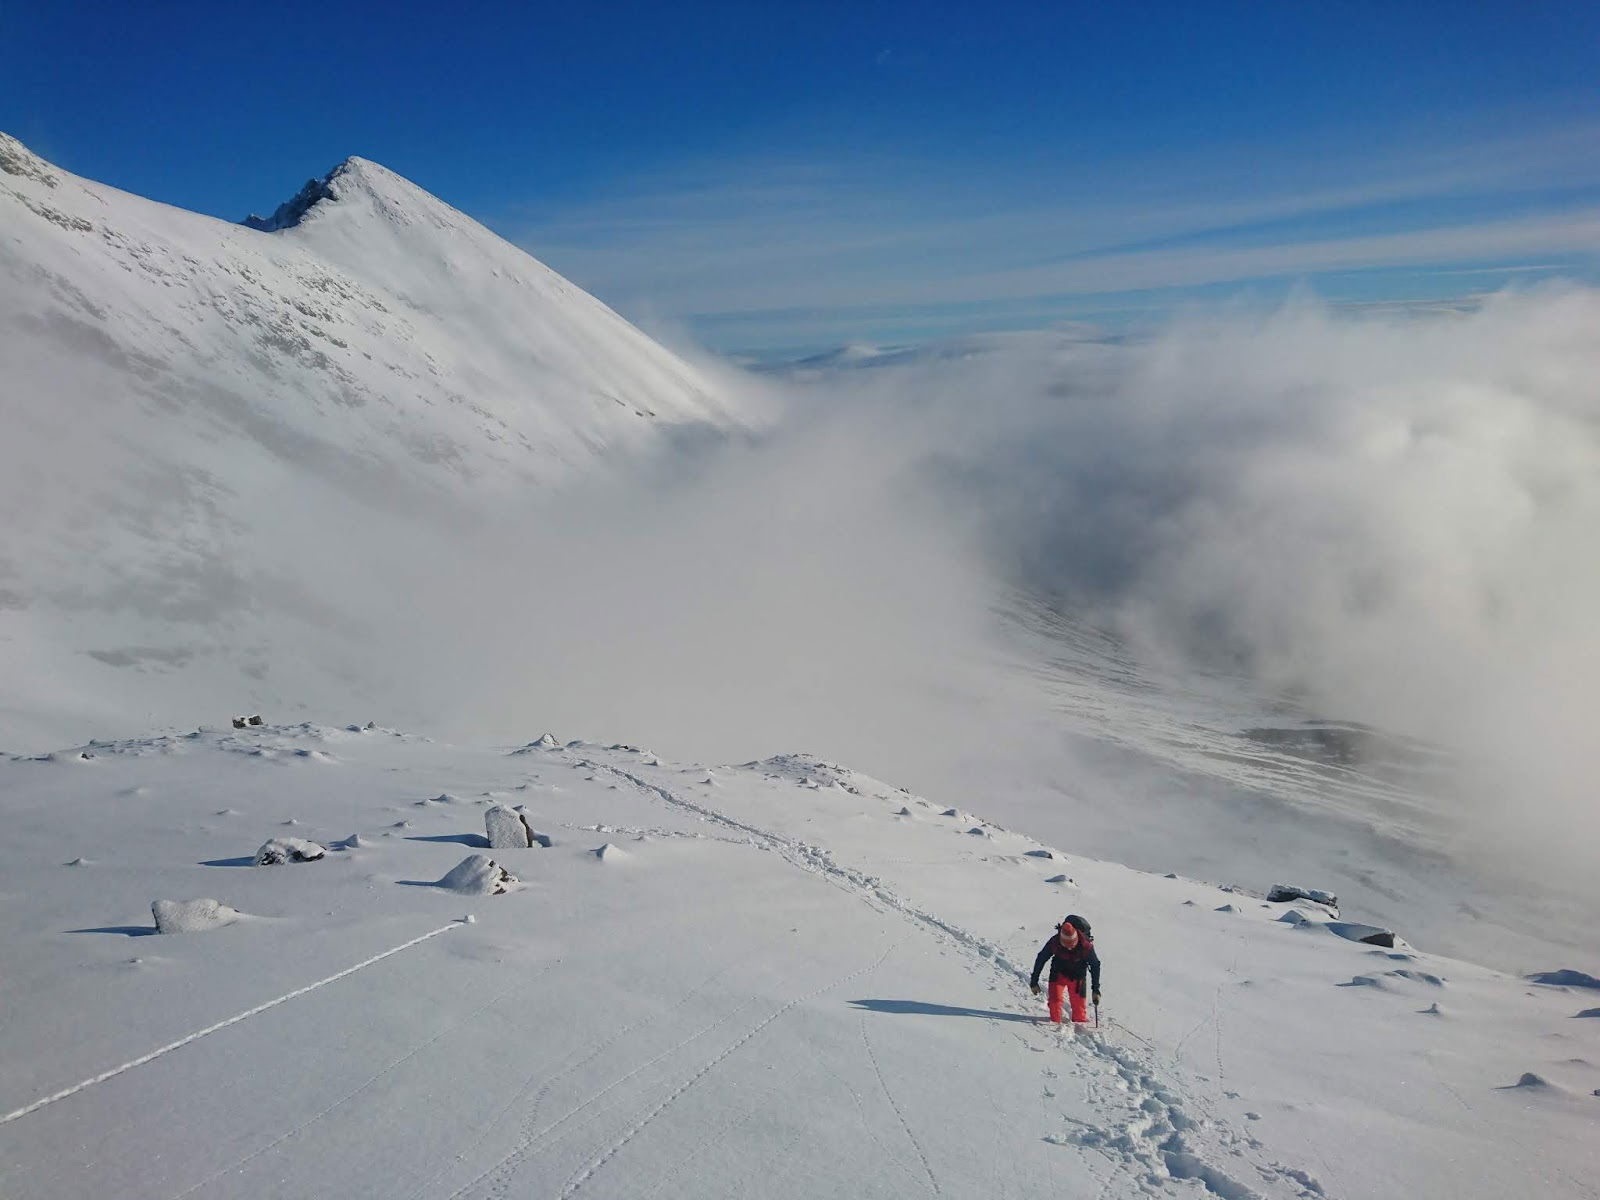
[(227, 449)]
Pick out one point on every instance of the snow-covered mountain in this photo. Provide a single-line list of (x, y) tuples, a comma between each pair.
[(225, 447)]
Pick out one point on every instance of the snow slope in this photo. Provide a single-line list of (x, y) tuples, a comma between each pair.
[(792, 980), (225, 447)]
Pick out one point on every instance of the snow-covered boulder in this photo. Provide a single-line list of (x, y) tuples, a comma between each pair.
[(478, 875), (288, 850), (508, 828), (1282, 892), (610, 852), (1371, 935), (191, 916)]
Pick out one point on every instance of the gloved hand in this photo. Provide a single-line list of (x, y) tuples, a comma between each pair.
[(1097, 997), (1035, 988)]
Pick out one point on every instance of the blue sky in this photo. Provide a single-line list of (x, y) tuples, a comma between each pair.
[(773, 176)]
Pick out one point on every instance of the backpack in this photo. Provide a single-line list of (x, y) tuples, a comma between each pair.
[(1080, 925)]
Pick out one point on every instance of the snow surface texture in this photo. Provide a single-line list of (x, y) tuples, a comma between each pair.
[(791, 990)]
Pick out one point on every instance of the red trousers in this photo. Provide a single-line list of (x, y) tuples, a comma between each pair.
[(1080, 1008)]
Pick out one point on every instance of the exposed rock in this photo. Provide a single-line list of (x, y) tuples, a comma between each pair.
[(1564, 978), (507, 828), (292, 211), (288, 850), (191, 916), (17, 159), (1282, 892), (1370, 935), (510, 829)]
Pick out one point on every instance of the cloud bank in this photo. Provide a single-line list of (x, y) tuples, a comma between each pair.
[(1387, 519)]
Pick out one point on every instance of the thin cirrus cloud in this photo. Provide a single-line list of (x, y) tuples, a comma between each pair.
[(771, 253)]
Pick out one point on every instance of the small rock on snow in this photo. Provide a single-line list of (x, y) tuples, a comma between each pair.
[(288, 850), (1288, 891), (1370, 935)]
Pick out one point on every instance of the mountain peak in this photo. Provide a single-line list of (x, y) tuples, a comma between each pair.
[(371, 185)]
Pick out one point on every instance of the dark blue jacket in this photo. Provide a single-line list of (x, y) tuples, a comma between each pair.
[(1072, 964)]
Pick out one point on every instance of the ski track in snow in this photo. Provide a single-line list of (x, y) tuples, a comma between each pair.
[(535, 1142), (220, 1025), (1150, 1143), (579, 1180), (503, 1168), (922, 1155)]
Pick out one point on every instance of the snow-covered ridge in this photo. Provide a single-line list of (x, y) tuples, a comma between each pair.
[(291, 211), (817, 974)]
